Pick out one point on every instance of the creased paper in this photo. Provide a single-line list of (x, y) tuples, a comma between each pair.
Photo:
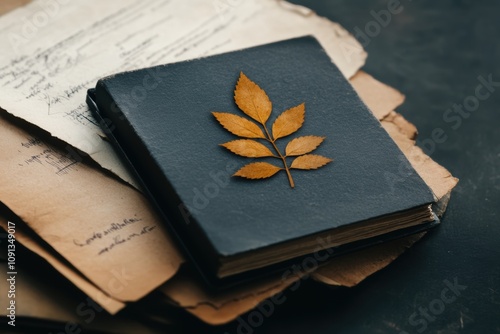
[(109, 304), (36, 300), (104, 228)]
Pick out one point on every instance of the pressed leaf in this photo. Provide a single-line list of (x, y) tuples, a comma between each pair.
[(252, 99), (257, 170), (303, 145), (248, 148), (310, 161), (289, 121), (255, 103), (238, 125)]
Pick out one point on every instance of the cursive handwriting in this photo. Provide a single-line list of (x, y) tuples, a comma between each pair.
[(118, 240), (110, 229)]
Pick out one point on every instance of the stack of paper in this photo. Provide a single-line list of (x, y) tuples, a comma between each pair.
[(71, 202)]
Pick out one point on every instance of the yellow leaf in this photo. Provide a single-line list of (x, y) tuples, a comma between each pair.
[(238, 125), (303, 145), (310, 161), (252, 99), (248, 148), (257, 170), (255, 103), (289, 121)]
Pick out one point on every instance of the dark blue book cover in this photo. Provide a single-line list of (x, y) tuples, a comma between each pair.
[(162, 120)]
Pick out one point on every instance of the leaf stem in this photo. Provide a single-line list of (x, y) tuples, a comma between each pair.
[(287, 170)]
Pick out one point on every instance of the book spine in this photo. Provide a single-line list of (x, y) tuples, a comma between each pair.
[(135, 155)]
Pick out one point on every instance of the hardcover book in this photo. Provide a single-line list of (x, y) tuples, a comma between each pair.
[(261, 157)]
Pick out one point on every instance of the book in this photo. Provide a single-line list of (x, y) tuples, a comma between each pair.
[(261, 157)]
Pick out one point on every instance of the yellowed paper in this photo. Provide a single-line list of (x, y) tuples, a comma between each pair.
[(349, 270), (221, 307), (104, 228), (438, 178), (109, 304), (405, 127), (37, 300), (52, 54), (380, 98)]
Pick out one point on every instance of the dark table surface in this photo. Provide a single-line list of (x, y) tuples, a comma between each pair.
[(434, 52)]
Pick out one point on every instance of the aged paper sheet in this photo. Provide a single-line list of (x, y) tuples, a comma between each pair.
[(51, 54), (38, 300), (104, 228), (108, 303)]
